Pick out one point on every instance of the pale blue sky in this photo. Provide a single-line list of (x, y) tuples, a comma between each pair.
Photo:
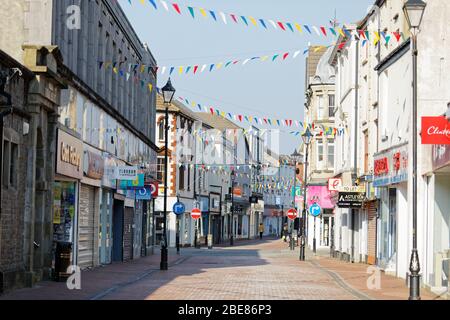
[(256, 89)]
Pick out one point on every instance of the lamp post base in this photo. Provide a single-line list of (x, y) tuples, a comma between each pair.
[(414, 287), (164, 264), (302, 249)]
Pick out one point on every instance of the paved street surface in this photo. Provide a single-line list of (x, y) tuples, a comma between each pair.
[(254, 270)]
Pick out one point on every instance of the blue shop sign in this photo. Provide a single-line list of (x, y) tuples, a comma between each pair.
[(144, 193), (132, 184)]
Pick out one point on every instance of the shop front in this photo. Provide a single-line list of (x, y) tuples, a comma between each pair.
[(69, 173), (391, 181), (320, 226), (106, 198), (89, 208), (438, 251), (272, 220)]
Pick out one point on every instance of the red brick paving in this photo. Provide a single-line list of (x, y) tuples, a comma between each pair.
[(253, 270)]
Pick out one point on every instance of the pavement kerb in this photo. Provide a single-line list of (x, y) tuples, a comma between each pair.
[(122, 285), (341, 282)]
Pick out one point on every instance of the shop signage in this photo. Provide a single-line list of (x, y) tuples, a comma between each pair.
[(259, 206), (237, 192), (132, 184), (334, 184), (69, 155), (320, 195), (214, 205), (126, 173), (351, 199), (360, 189), (435, 130), (144, 193), (441, 156), (391, 166), (253, 199), (94, 165)]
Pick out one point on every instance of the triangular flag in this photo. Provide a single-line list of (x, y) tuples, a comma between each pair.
[(150, 87), (191, 10), (307, 28), (298, 27), (245, 20), (223, 17), (263, 23), (285, 55), (202, 11), (323, 31), (281, 26), (275, 56), (176, 7), (164, 3), (153, 3), (252, 20), (213, 14), (290, 26), (195, 69), (233, 16)]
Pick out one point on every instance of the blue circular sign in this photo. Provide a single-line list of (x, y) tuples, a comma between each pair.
[(315, 210), (179, 208)]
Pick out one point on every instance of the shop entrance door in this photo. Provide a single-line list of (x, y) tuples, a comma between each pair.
[(118, 231), (128, 234), (86, 227)]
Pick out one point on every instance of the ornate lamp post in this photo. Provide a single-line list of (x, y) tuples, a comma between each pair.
[(233, 178), (296, 156), (414, 10), (307, 136), (168, 92)]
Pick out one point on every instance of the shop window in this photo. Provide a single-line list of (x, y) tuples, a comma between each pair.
[(181, 177), (160, 169), (330, 150), (331, 105), (13, 164), (161, 131), (5, 160)]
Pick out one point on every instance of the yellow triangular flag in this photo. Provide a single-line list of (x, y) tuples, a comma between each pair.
[(298, 27), (377, 38), (253, 20), (150, 87), (203, 12), (180, 70), (341, 32)]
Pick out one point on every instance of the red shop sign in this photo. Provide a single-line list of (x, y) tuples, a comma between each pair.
[(381, 166), (435, 130)]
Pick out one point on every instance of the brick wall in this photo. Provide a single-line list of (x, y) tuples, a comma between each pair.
[(13, 196)]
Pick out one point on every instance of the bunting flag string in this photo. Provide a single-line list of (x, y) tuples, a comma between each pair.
[(316, 129), (199, 68), (324, 31)]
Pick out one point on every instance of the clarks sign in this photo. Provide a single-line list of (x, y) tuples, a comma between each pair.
[(435, 130), (69, 155)]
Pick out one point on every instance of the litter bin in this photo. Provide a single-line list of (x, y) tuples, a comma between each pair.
[(62, 260)]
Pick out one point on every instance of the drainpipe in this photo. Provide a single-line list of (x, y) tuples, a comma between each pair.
[(355, 160)]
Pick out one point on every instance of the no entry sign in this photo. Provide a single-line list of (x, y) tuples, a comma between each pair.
[(196, 214), (292, 214)]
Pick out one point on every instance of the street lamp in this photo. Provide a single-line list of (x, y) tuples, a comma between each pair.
[(168, 92), (414, 10), (307, 137), (233, 178), (296, 156)]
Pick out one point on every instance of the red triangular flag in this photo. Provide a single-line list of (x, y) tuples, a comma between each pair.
[(240, 118), (281, 26), (176, 7), (362, 34), (323, 31), (397, 36), (212, 111), (285, 55), (195, 69), (234, 17)]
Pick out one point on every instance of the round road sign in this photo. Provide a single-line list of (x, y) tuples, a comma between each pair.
[(292, 214), (196, 214)]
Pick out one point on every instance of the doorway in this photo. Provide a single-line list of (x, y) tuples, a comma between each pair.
[(118, 212)]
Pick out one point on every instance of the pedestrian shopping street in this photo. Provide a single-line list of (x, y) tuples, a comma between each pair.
[(256, 270)]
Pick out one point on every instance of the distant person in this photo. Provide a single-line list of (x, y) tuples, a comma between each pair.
[(285, 232), (261, 230)]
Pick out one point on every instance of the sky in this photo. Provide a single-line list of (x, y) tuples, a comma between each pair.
[(261, 89)]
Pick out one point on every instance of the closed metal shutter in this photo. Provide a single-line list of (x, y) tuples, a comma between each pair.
[(86, 227), (128, 234), (372, 233)]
